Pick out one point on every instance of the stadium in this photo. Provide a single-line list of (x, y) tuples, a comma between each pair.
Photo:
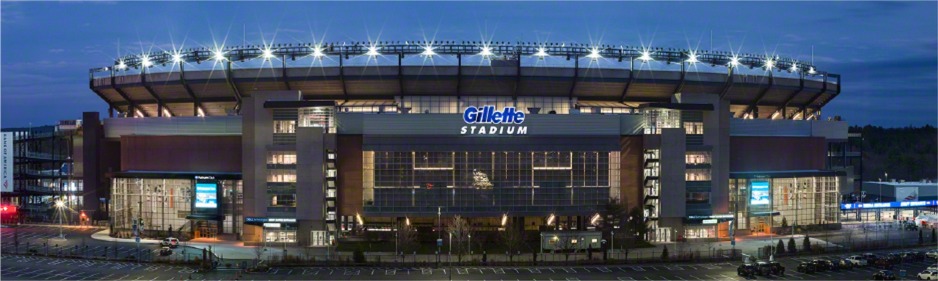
[(310, 144)]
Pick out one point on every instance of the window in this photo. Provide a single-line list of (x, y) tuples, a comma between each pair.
[(321, 117), (284, 127), (283, 200), (693, 128), (697, 175), (698, 197), (281, 175), (278, 157), (698, 157)]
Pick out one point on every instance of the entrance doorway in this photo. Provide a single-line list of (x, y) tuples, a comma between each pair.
[(206, 229)]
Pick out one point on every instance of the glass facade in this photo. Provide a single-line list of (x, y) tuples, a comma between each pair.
[(453, 105), (501, 180), (163, 204), (796, 200)]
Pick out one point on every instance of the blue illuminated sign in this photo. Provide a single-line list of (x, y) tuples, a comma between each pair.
[(881, 205), (488, 115), (206, 195), (759, 193), (502, 122)]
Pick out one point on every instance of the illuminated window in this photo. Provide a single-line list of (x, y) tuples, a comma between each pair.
[(284, 127)]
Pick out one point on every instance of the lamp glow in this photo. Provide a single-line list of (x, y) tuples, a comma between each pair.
[(145, 61), (218, 55), (794, 67), (59, 204), (486, 51), (504, 219), (692, 58), (267, 54), (121, 65), (594, 54), (428, 51), (550, 219), (177, 58), (811, 70), (769, 64), (373, 51), (317, 52), (645, 57), (541, 53), (734, 61)]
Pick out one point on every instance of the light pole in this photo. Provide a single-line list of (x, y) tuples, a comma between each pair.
[(59, 205)]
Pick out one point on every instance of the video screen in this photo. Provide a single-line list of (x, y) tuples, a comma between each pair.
[(206, 195), (760, 193)]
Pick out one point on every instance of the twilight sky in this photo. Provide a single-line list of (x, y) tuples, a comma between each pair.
[(887, 53)]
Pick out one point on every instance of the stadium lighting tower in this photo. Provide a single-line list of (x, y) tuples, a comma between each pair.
[(218, 55), (594, 54)]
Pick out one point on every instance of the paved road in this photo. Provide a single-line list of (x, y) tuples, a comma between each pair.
[(50, 268), (44, 239)]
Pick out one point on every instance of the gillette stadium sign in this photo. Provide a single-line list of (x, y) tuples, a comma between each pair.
[(486, 120)]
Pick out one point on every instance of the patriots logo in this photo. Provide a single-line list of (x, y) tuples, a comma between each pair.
[(907, 198)]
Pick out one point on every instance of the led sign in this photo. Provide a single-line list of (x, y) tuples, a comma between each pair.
[(504, 122)]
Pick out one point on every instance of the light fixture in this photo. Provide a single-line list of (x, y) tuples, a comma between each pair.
[(646, 56), (358, 217), (121, 65), (734, 61), (201, 113), (595, 219), (550, 219), (177, 58), (317, 52), (811, 70), (167, 113), (486, 51), (769, 64), (594, 54), (267, 54), (504, 219), (692, 58), (541, 53), (407, 221), (59, 204), (794, 67), (145, 61), (373, 51), (218, 55), (428, 51)]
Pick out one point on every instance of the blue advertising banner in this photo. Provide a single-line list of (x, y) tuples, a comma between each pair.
[(760, 193), (881, 205), (206, 195)]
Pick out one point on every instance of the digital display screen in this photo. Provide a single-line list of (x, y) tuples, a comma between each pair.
[(759, 193), (206, 195)]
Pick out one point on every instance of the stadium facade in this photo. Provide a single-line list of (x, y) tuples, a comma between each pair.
[(309, 143)]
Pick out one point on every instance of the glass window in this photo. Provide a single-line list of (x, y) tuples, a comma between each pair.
[(284, 127), (278, 157), (698, 197), (281, 175), (693, 128)]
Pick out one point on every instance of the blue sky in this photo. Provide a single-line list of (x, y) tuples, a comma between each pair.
[(885, 51)]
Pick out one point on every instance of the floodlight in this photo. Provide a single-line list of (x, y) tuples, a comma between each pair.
[(594, 54), (145, 61), (769, 64), (645, 57), (373, 51), (428, 51), (794, 67), (267, 54), (541, 53), (486, 51), (218, 55), (734, 61), (317, 52), (692, 58), (121, 65), (177, 58)]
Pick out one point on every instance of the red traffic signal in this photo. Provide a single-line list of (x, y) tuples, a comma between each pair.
[(7, 209)]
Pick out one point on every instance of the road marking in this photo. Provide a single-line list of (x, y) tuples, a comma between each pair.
[(390, 272), (623, 278), (604, 269), (534, 270)]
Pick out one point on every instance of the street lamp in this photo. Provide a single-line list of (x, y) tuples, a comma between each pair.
[(59, 205)]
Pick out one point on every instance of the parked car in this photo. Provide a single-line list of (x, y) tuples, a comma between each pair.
[(870, 257), (170, 242), (928, 275), (165, 251), (806, 267), (884, 275), (844, 264), (822, 265), (932, 268), (858, 260), (894, 258), (933, 254), (777, 268), (748, 270)]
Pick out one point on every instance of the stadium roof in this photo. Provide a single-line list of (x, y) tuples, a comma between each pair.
[(213, 81)]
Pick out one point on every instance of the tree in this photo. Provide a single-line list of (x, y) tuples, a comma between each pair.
[(407, 239), (635, 224), (459, 230), (513, 239), (807, 243), (921, 239), (780, 248), (664, 253), (791, 246)]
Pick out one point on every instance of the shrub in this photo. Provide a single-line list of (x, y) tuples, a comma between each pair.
[(791, 246), (780, 248), (664, 253), (358, 256), (807, 243)]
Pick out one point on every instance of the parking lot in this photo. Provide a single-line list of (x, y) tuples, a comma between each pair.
[(45, 240)]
